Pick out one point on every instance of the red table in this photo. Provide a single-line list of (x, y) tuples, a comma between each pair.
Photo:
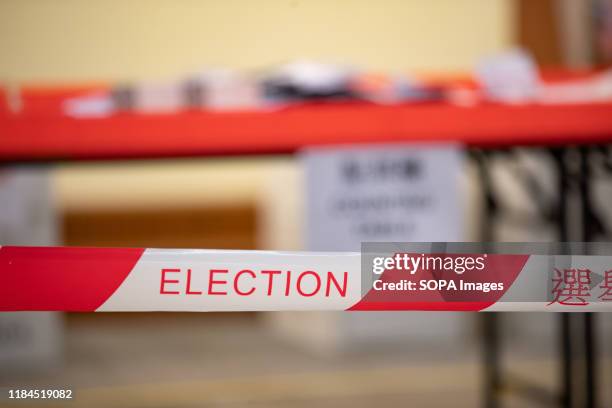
[(42, 132)]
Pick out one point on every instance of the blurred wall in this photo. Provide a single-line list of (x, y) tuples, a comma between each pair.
[(63, 40)]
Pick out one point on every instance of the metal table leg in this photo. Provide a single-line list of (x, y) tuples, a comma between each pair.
[(577, 390), (489, 320)]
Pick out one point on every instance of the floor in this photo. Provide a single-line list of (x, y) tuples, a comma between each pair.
[(186, 360)]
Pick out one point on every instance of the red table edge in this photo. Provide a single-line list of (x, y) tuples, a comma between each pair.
[(49, 136)]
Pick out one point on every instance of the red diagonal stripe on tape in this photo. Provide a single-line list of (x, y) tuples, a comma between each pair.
[(499, 268), (62, 278)]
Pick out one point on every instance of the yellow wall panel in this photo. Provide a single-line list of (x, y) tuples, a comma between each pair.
[(43, 40)]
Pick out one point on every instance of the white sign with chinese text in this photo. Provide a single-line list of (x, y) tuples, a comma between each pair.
[(391, 192)]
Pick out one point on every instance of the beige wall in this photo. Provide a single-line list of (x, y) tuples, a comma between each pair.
[(43, 40), (67, 40)]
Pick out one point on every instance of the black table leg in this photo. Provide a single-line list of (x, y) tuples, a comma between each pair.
[(566, 361), (577, 386), (565, 332), (489, 320), (590, 366), (589, 231), (492, 374)]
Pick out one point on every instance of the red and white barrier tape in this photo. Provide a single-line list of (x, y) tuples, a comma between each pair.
[(136, 279)]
